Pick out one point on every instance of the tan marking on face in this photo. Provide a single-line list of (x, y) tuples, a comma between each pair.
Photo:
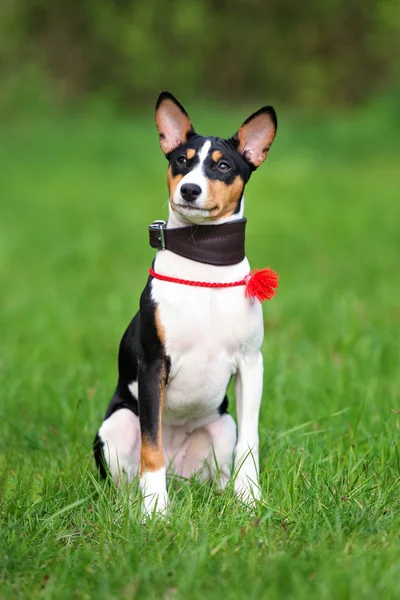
[(172, 182), (151, 454), (190, 152), (216, 155), (224, 197)]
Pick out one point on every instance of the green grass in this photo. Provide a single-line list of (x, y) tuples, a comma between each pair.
[(77, 193)]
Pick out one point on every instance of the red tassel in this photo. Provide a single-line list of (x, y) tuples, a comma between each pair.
[(261, 284)]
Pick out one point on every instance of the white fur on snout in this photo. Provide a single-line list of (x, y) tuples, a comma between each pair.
[(198, 177)]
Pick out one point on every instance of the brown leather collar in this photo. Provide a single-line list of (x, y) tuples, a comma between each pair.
[(220, 245)]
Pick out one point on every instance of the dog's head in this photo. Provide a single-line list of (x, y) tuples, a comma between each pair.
[(207, 175)]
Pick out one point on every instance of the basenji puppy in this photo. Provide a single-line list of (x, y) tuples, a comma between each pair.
[(169, 411)]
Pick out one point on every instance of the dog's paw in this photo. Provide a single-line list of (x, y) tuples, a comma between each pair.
[(154, 505), (154, 492), (247, 490)]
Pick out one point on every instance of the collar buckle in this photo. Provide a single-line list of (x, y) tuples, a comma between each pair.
[(160, 225)]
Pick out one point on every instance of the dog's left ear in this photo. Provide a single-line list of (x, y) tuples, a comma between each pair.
[(172, 122), (254, 138)]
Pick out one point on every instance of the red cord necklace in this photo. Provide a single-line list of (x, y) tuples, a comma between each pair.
[(260, 284)]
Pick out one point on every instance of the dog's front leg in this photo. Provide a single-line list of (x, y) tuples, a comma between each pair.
[(152, 384), (248, 388)]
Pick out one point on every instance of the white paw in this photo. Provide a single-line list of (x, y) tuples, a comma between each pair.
[(247, 485), (155, 497), (247, 489), (154, 504)]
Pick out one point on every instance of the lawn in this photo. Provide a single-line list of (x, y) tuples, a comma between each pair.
[(77, 193)]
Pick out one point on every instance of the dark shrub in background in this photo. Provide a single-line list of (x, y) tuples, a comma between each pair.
[(315, 52)]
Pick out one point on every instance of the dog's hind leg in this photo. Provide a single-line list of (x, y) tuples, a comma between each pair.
[(117, 445), (223, 442), (208, 452)]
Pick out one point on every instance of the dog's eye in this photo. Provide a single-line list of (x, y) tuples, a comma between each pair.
[(223, 166), (181, 160)]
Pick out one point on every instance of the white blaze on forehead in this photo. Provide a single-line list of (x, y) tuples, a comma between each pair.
[(197, 173), (204, 150), (196, 176)]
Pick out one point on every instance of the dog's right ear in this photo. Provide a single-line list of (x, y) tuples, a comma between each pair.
[(172, 122)]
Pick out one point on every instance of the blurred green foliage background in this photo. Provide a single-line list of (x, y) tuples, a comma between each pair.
[(303, 53)]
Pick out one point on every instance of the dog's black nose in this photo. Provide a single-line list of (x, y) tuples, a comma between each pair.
[(190, 191)]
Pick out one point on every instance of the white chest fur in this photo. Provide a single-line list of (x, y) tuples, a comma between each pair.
[(207, 331)]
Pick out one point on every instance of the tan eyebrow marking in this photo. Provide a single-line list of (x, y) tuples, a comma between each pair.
[(216, 155), (190, 153)]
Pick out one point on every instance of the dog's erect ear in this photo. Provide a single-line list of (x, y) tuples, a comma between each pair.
[(254, 138), (172, 122)]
